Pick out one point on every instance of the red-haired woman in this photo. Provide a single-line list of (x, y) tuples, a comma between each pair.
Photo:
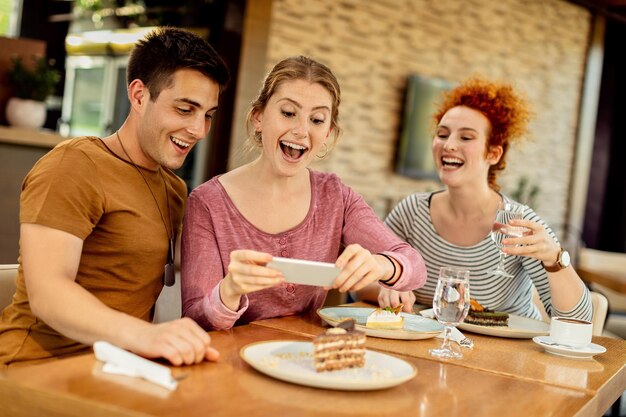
[(476, 123)]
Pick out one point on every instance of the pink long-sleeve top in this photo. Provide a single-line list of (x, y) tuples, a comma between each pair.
[(338, 216)]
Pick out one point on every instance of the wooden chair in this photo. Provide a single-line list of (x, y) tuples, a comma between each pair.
[(604, 270), (602, 260), (600, 309), (596, 265), (168, 306), (8, 273)]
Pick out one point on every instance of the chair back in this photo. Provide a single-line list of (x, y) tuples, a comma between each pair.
[(8, 274), (168, 306), (599, 260), (600, 309)]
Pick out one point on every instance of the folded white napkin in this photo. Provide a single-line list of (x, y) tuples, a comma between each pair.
[(121, 362), (455, 334)]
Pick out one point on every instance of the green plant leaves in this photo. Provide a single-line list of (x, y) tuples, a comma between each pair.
[(35, 82)]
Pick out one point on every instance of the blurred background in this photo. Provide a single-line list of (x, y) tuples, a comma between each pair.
[(563, 54)]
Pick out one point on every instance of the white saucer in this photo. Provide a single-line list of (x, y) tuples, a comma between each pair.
[(586, 352)]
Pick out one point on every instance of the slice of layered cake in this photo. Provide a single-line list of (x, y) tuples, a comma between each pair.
[(339, 347), (386, 318), (482, 316)]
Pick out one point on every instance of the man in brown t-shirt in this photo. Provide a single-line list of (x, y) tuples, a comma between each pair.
[(99, 218)]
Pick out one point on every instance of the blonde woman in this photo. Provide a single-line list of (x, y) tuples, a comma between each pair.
[(277, 206)]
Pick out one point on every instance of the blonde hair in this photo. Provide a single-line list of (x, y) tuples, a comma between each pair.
[(290, 69)]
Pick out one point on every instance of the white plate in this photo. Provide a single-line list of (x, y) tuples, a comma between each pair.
[(293, 362), (519, 327), (568, 351), (415, 327)]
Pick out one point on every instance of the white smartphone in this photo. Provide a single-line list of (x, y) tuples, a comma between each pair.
[(298, 271)]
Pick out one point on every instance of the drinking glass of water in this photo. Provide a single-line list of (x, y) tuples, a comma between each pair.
[(451, 304), (501, 230)]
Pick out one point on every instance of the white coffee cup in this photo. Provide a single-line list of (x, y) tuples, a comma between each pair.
[(571, 332)]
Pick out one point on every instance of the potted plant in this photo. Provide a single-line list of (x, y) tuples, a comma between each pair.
[(31, 86)]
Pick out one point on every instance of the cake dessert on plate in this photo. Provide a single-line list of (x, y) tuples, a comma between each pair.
[(385, 318), (482, 316), (339, 348)]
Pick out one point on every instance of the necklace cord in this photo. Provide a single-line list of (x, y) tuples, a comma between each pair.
[(169, 231)]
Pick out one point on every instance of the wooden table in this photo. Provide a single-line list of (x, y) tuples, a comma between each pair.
[(76, 386), (42, 138), (614, 280), (518, 358)]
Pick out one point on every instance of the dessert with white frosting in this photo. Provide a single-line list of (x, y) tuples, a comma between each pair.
[(386, 318)]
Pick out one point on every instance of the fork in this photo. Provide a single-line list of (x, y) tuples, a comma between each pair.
[(466, 342), (545, 342), (461, 339)]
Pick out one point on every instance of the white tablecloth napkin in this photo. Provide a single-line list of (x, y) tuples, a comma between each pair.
[(455, 334), (121, 362)]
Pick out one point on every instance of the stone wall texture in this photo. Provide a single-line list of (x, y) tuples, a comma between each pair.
[(372, 46)]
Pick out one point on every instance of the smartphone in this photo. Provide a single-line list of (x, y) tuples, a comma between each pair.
[(298, 271)]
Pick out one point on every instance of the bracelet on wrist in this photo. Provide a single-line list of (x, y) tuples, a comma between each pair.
[(393, 275)]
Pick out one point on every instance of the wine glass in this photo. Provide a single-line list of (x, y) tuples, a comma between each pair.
[(451, 304), (501, 230)]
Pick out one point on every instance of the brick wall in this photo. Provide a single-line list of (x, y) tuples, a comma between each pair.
[(539, 45)]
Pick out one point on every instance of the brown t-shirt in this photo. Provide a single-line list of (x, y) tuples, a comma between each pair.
[(82, 188)]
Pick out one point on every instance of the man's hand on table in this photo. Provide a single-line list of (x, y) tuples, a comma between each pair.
[(182, 342)]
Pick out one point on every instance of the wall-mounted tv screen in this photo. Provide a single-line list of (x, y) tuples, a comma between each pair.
[(414, 158)]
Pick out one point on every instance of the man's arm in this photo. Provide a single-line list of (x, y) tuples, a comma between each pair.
[(50, 259)]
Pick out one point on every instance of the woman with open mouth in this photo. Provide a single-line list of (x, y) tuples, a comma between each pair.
[(476, 123), (276, 206)]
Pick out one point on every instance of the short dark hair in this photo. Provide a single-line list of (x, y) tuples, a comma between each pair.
[(165, 50)]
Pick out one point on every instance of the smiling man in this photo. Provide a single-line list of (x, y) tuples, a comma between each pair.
[(99, 218)]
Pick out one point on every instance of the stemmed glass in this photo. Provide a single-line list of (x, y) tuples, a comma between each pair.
[(451, 304), (501, 230)]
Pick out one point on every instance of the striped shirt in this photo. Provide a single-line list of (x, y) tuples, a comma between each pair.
[(411, 221)]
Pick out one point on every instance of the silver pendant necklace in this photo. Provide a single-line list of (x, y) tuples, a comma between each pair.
[(169, 275)]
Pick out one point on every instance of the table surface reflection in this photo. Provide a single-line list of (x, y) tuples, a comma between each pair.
[(492, 380), (518, 358)]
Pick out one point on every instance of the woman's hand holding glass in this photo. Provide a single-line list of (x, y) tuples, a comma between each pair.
[(535, 243), (503, 228), (450, 305)]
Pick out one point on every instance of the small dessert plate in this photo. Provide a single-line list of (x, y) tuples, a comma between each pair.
[(415, 327), (551, 346)]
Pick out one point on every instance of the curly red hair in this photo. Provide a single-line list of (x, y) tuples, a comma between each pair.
[(508, 114)]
